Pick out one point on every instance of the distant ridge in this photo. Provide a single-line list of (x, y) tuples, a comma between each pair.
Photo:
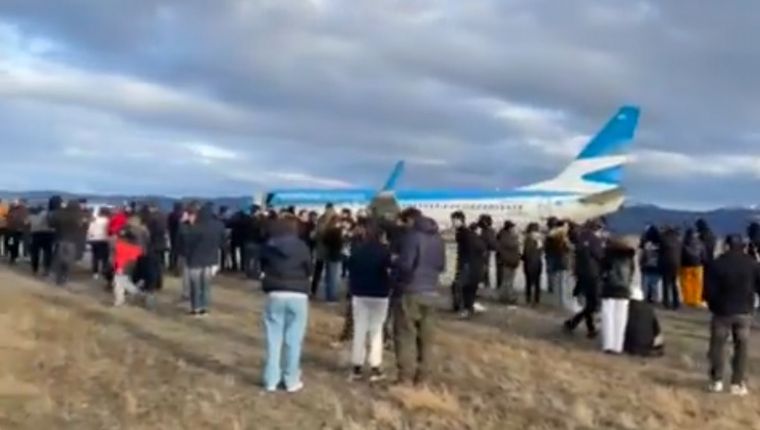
[(632, 218)]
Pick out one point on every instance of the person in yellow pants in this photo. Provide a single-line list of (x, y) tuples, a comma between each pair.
[(692, 269)]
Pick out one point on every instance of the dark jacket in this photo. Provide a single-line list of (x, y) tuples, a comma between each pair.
[(203, 239), (649, 257), (332, 241), (508, 251), (156, 224), (533, 254), (488, 236), (18, 217), (173, 222), (733, 280), (618, 268), (670, 253), (462, 237), (693, 253), (422, 258), (369, 267), (286, 261), (476, 258), (710, 244), (589, 253), (68, 223), (641, 330)]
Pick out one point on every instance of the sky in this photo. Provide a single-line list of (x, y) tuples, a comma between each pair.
[(231, 97)]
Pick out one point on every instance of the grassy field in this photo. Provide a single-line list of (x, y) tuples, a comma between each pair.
[(70, 361)]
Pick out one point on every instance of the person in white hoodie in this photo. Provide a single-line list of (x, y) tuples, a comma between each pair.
[(97, 237)]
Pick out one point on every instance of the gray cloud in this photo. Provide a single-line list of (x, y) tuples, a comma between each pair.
[(338, 90)]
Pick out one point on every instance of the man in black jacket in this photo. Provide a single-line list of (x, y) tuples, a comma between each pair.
[(173, 222), (734, 279), (462, 238), (589, 254), (68, 225), (508, 258)]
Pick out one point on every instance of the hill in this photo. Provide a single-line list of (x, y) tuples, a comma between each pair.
[(69, 360)]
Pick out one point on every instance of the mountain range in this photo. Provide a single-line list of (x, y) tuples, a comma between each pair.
[(631, 219)]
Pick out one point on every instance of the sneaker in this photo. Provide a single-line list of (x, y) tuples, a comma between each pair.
[(295, 388), (356, 374), (739, 390), (96, 277), (465, 315), (715, 387), (478, 308), (376, 375)]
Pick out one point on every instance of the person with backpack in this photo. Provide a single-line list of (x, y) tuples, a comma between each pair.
[(649, 249), (670, 265), (692, 269), (533, 264), (618, 269), (508, 260)]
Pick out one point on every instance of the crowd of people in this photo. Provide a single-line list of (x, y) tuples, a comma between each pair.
[(393, 267)]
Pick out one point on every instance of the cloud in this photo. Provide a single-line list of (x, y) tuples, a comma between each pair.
[(488, 93)]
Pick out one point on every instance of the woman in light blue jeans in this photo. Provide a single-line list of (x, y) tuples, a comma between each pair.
[(287, 265)]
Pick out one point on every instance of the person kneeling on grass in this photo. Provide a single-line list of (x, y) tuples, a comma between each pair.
[(617, 278), (369, 282), (286, 261)]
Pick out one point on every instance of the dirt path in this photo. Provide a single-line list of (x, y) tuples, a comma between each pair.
[(69, 360)]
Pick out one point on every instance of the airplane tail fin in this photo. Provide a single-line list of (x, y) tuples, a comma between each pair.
[(396, 173), (599, 166)]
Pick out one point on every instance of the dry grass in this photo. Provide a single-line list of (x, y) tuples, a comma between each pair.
[(67, 360)]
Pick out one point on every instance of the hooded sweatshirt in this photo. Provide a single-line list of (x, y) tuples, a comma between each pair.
[(203, 240), (286, 261), (422, 258)]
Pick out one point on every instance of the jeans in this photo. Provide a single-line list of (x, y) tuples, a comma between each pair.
[(560, 281), (285, 320), (369, 314), (532, 287), (614, 321), (316, 277), (507, 285), (251, 260), (670, 296), (591, 306), (332, 278), (200, 286), (123, 284), (457, 287), (100, 256), (413, 318), (650, 286), (738, 326), (65, 257), (42, 249)]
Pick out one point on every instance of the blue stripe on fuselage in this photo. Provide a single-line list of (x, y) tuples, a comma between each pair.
[(364, 196)]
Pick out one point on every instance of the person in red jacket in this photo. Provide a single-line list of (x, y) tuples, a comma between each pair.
[(117, 222), (126, 253)]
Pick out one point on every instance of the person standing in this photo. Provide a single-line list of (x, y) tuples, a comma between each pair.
[(4, 208), (692, 269), (532, 265), (17, 223), (462, 234), (321, 249), (477, 264), (369, 285), (508, 259), (287, 266), (41, 248), (202, 242), (557, 252), (649, 259), (97, 237), (589, 254), (173, 222), (670, 265), (618, 268), (421, 261), (734, 279), (332, 241), (68, 225)]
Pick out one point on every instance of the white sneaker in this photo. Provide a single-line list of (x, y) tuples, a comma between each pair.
[(296, 388), (479, 308), (739, 390), (715, 387)]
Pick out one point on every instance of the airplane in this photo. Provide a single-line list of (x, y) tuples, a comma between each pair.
[(316, 199), (589, 187)]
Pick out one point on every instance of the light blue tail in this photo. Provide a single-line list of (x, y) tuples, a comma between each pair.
[(396, 173)]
